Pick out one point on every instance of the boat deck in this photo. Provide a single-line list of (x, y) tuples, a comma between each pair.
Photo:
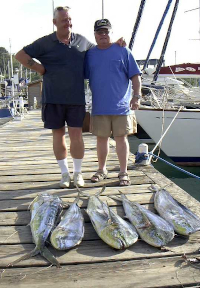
[(28, 168)]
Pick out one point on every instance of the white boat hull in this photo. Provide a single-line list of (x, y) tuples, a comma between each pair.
[(182, 141)]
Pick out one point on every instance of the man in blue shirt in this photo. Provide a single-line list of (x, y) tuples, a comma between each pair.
[(113, 73), (61, 55)]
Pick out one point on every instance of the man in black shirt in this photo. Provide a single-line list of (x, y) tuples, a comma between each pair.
[(61, 55)]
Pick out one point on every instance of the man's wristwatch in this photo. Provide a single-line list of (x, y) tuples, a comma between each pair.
[(137, 96)]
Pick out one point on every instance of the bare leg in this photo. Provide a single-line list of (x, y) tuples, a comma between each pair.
[(59, 143), (76, 142), (102, 151), (122, 147)]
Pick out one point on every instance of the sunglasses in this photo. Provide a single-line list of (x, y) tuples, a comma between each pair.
[(101, 32)]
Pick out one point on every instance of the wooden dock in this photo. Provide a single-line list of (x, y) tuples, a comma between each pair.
[(28, 168)]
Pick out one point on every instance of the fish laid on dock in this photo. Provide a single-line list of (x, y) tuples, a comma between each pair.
[(110, 227), (70, 230), (184, 221), (152, 228), (45, 210)]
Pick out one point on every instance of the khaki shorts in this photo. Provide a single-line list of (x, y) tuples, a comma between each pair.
[(115, 125)]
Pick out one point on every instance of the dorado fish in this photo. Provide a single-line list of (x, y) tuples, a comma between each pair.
[(44, 209), (110, 227), (184, 221), (70, 230), (153, 229)]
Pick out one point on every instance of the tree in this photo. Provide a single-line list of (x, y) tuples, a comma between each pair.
[(4, 58)]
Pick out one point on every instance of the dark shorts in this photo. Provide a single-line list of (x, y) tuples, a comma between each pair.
[(55, 116)]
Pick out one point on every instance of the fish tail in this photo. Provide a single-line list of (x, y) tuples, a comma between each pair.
[(115, 198), (81, 192), (100, 192), (123, 196), (50, 257), (25, 257)]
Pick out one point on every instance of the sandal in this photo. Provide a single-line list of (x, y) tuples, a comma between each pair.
[(124, 179), (99, 176)]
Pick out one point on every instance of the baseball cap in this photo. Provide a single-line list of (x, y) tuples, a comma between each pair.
[(102, 23)]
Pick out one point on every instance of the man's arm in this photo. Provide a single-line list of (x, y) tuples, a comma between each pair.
[(136, 83), (29, 63)]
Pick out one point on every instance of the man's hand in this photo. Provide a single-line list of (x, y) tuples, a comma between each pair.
[(121, 42), (135, 103)]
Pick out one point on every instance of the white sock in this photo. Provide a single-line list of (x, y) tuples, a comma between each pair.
[(63, 164), (77, 164)]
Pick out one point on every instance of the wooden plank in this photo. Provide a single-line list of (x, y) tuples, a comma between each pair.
[(44, 177), (35, 169), (141, 273), (23, 204), (55, 184), (17, 194), (98, 251)]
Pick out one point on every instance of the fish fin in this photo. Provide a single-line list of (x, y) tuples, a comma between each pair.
[(50, 257), (81, 192), (100, 192), (115, 198), (153, 188), (147, 223), (123, 195), (120, 192), (109, 211), (34, 252)]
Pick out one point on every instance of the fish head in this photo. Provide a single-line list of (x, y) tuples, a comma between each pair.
[(159, 237), (113, 236), (63, 239), (182, 226)]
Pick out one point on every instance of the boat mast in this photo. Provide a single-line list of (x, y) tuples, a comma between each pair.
[(137, 23), (53, 11), (160, 62), (157, 32), (11, 65)]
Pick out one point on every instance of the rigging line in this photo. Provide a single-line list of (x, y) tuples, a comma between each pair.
[(163, 123), (137, 23), (174, 166), (156, 34), (167, 129), (160, 62), (192, 9)]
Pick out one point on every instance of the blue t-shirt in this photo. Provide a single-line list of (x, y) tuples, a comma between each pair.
[(109, 72), (63, 81)]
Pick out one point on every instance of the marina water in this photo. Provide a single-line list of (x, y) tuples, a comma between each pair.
[(189, 184)]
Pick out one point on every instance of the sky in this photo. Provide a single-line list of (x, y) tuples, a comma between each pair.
[(23, 21)]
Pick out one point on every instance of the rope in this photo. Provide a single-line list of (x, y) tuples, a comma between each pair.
[(139, 157), (166, 130), (174, 166)]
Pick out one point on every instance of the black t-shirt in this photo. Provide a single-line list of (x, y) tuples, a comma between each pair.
[(63, 81)]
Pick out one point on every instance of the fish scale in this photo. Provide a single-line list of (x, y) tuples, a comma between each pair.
[(110, 227), (153, 229), (183, 220)]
